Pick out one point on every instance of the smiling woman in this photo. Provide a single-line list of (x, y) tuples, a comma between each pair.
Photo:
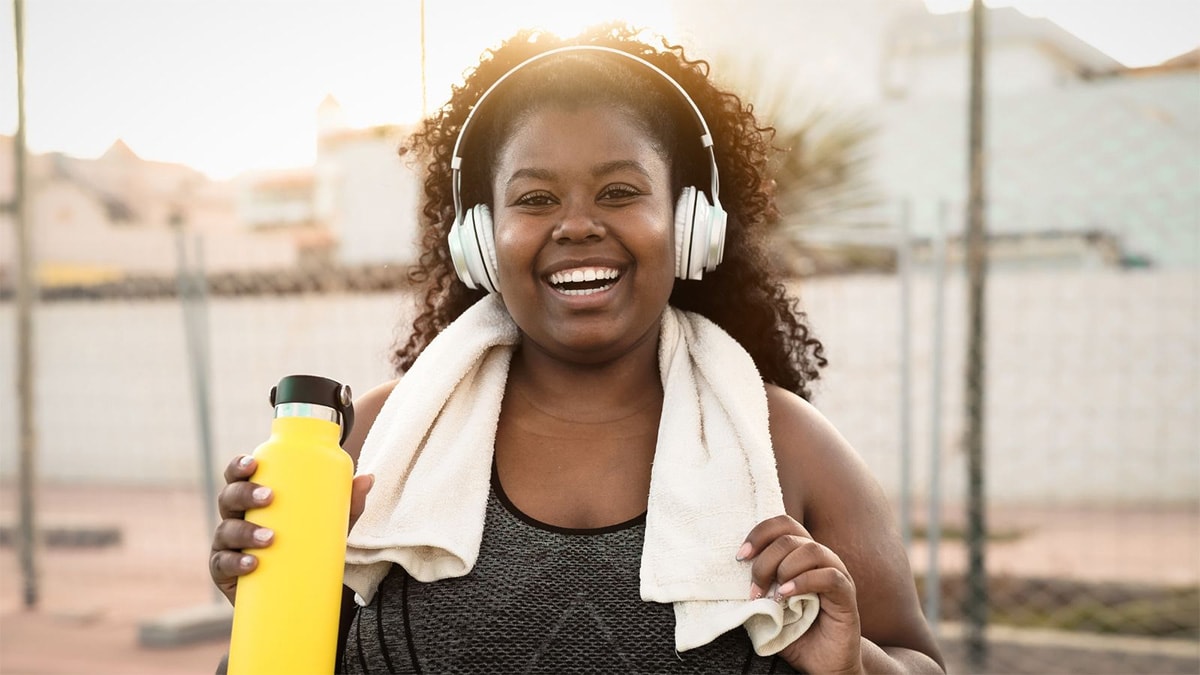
[(598, 456)]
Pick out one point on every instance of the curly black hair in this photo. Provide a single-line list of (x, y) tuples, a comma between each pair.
[(744, 295)]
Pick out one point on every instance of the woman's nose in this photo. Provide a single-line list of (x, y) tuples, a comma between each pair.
[(578, 223)]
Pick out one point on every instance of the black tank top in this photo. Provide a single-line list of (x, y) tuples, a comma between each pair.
[(541, 599)]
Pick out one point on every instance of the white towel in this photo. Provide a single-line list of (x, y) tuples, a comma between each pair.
[(713, 477)]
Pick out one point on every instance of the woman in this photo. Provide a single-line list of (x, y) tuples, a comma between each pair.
[(583, 162)]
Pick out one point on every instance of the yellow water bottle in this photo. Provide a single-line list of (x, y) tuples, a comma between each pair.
[(285, 619)]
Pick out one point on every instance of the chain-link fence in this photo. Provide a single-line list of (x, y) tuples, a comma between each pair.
[(1092, 418), (1091, 429)]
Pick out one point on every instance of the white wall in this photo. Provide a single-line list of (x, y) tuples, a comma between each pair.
[(114, 388)]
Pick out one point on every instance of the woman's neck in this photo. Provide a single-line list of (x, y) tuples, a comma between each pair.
[(574, 443), (588, 393)]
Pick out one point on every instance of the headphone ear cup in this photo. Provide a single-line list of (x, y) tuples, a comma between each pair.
[(717, 220), (685, 212), (485, 237), (457, 242), (699, 234), (472, 249)]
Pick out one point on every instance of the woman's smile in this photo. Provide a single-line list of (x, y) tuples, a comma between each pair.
[(584, 280)]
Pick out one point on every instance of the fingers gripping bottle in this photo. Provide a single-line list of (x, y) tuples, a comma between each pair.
[(285, 618)]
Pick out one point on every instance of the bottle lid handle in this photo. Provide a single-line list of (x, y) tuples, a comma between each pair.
[(346, 401), (318, 391)]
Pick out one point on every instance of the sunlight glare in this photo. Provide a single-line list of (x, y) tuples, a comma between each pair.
[(453, 47)]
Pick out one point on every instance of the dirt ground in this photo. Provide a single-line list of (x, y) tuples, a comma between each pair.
[(93, 599)]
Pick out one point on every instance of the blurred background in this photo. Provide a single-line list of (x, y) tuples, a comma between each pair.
[(215, 200)]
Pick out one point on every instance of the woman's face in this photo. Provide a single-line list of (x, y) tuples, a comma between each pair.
[(583, 218)]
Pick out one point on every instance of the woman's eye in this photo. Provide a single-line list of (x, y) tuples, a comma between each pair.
[(535, 199), (619, 192)]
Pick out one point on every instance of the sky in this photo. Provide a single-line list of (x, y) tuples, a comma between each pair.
[(231, 85)]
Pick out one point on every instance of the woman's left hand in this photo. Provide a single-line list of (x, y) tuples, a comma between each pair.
[(785, 554)]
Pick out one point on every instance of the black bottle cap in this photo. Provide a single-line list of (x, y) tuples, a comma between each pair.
[(308, 389), (319, 391)]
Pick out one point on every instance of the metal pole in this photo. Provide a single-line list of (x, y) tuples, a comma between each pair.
[(976, 263), (26, 297), (933, 577), (203, 370), (192, 298), (904, 271)]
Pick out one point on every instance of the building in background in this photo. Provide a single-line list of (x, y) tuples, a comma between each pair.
[(925, 56), (1083, 153), (356, 206), (364, 191), (118, 215)]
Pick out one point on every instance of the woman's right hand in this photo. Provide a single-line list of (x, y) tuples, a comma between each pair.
[(235, 536)]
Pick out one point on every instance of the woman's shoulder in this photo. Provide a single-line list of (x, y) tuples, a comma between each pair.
[(819, 471), (366, 409), (800, 432)]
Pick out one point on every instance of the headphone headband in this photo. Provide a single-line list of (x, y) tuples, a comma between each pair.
[(705, 137)]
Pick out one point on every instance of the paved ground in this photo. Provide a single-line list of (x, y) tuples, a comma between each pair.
[(94, 599)]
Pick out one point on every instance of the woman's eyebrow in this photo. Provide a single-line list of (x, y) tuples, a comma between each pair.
[(619, 165), (598, 170), (529, 172)]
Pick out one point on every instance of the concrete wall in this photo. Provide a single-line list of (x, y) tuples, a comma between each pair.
[(1093, 380)]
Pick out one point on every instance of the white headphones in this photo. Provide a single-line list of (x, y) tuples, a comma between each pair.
[(699, 225)]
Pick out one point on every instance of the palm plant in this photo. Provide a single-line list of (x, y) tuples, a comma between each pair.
[(820, 171)]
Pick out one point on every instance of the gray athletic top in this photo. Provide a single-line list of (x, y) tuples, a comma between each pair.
[(541, 599)]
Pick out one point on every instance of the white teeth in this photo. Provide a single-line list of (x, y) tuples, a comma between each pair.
[(582, 274), (583, 291)]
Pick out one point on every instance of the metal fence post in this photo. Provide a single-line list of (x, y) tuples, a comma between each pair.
[(26, 299), (904, 272), (976, 263), (193, 299), (933, 577)]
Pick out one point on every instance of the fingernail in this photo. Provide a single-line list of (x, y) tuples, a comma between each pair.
[(744, 551), (261, 494), (755, 591), (245, 461), (247, 561), (262, 535), (786, 589)]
